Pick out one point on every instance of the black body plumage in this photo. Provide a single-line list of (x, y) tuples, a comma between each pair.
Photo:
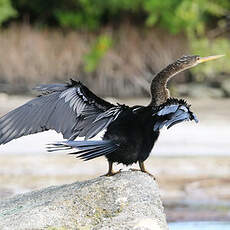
[(133, 130)]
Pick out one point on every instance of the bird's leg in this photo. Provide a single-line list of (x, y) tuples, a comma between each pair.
[(142, 167), (110, 171), (139, 169)]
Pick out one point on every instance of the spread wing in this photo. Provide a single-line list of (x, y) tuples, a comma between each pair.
[(71, 109)]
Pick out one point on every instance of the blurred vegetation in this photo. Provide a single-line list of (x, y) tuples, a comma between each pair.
[(174, 15), (6, 11), (205, 23), (97, 51)]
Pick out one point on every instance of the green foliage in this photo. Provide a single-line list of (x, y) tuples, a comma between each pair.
[(91, 14), (98, 50), (174, 15), (192, 17), (6, 10)]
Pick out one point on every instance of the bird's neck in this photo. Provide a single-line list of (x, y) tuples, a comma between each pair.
[(159, 90)]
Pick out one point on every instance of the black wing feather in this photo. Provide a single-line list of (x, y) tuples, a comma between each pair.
[(173, 112), (87, 149), (71, 109)]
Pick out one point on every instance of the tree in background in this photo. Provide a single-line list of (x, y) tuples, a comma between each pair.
[(203, 21), (6, 11)]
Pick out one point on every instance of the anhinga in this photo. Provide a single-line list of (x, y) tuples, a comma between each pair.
[(73, 110)]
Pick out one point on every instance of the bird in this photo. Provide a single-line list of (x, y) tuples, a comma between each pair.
[(130, 132)]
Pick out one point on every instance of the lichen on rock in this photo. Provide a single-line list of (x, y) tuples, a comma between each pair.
[(128, 200)]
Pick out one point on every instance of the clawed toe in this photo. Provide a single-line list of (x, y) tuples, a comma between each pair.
[(135, 170), (144, 172), (150, 175), (112, 173)]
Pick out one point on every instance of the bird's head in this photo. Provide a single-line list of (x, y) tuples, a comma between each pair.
[(186, 62), (159, 90)]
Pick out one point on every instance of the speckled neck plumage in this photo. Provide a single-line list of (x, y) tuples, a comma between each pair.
[(159, 90)]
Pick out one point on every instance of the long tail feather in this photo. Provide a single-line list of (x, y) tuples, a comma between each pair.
[(87, 149)]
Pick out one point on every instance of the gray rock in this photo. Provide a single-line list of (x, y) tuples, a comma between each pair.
[(128, 200)]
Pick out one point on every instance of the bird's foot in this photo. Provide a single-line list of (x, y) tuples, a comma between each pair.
[(112, 173), (154, 178), (135, 170), (144, 172)]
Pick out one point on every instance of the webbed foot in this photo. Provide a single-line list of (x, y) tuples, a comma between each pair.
[(112, 173), (144, 172), (142, 167), (135, 170)]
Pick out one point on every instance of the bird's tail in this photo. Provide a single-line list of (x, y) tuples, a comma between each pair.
[(87, 150)]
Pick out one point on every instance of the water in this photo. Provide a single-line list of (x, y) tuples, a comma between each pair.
[(203, 225)]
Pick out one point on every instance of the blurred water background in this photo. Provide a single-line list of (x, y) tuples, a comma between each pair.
[(200, 225), (115, 48)]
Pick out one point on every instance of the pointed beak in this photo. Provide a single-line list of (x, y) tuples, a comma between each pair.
[(209, 58)]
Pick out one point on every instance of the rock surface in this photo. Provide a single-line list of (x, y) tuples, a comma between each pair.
[(128, 200)]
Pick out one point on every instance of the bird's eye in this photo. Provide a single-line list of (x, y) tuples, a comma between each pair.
[(197, 58)]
